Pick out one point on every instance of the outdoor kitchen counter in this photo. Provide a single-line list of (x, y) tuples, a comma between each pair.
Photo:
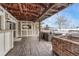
[(67, 46), (45, 35)]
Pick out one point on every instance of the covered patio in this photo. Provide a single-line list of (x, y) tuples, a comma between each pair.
[(21, 28)]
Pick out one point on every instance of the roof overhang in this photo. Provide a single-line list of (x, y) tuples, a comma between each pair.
[(33, 11)]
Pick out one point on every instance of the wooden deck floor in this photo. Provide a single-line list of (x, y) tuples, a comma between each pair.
[(31, 46)]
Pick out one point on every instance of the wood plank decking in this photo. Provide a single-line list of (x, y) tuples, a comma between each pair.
[(31, 46)]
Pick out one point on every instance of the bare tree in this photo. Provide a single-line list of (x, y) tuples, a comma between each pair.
[(62, 22)]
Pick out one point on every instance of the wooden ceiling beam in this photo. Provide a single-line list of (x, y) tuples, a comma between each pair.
[(33, 11), (52, 7), (45, 5), (40, 18), (24, 13), (20, 7)]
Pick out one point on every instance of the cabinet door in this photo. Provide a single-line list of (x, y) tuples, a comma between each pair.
[(1, 44), (7, 41)]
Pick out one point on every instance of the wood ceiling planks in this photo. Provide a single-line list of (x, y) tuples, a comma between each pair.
[(33, 11)]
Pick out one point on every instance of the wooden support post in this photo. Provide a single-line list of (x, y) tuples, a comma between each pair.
[(39, 31)]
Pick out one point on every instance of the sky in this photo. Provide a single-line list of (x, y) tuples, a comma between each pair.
[(71, 13)]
